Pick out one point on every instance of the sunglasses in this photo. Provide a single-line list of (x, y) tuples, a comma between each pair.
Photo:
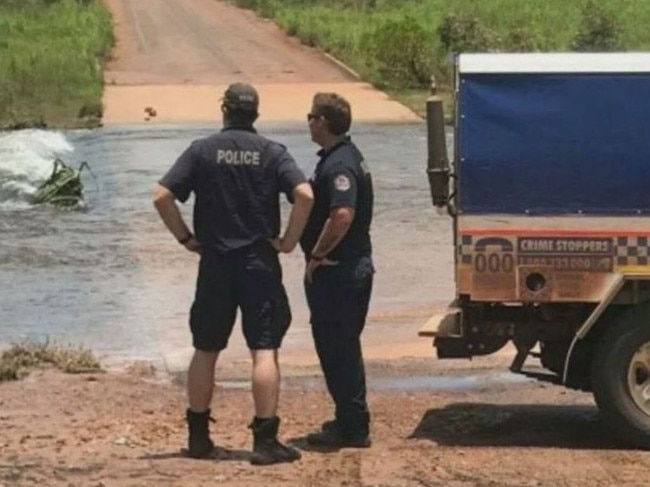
[(312, 116)]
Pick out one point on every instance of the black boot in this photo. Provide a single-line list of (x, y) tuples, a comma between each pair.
[(266, 447), (329, 425), (199, 444), (332, 436)]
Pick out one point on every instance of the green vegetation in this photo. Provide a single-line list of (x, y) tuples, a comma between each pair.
[(50, 61), (16, 362), (63, 188), (51, 51), (398, 44)]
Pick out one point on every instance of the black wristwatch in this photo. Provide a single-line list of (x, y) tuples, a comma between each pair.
[(186, 239)]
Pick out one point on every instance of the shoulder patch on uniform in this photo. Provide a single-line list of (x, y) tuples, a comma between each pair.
[(342, 182)]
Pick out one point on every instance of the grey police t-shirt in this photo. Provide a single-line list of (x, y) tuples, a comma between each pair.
[(236, 177)]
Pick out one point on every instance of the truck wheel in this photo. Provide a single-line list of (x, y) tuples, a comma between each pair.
[(621, 376)]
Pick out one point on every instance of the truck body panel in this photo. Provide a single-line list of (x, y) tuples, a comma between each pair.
[(577, 256)]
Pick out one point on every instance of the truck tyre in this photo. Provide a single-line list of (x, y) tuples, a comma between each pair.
[(621, 376)]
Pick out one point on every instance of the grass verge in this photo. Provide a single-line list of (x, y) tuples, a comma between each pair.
[(20, 359), (397, 45), (51, 54)]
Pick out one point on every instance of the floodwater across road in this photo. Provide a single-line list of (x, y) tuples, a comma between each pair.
[(112, 278)]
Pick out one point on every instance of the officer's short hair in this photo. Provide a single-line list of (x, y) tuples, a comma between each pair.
[(335, 110), (241, 102)]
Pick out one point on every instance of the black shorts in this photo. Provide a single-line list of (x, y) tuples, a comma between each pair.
[(250, 279)]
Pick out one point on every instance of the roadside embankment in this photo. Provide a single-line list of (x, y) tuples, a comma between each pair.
[(50, 62)]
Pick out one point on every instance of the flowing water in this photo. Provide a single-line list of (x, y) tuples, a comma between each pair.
[(110, 276)]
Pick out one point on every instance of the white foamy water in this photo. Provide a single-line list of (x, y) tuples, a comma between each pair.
[(26, 160)]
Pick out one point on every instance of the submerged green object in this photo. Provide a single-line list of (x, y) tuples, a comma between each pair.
[(63, 187)]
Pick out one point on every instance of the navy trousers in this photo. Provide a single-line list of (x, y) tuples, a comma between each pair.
[(338, 299)]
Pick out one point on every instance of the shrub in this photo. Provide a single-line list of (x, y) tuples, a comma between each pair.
[(17, 361), (599, 30), (402, 51), (460, 32), (520, 40)]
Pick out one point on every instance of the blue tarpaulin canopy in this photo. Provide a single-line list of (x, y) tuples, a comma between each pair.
[(554, 137)]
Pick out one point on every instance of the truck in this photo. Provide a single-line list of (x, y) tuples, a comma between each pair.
[(549, 197)]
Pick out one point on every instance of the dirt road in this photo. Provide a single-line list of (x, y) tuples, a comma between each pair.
[(177, 56), (107, 430)]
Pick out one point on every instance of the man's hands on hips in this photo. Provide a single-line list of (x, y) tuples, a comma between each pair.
[(314, 264), (193, 245), (281, 245), (165, 202)]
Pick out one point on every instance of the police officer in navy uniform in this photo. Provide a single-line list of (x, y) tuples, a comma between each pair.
[(237, 176), (339, 272)]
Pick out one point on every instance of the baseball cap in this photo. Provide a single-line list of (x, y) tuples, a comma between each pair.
[(241, 96)]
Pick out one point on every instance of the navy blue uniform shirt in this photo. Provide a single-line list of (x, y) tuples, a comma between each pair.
[(341, 179), (236, 176)]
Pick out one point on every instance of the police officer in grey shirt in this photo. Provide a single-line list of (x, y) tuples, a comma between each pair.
[(237, 176)]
